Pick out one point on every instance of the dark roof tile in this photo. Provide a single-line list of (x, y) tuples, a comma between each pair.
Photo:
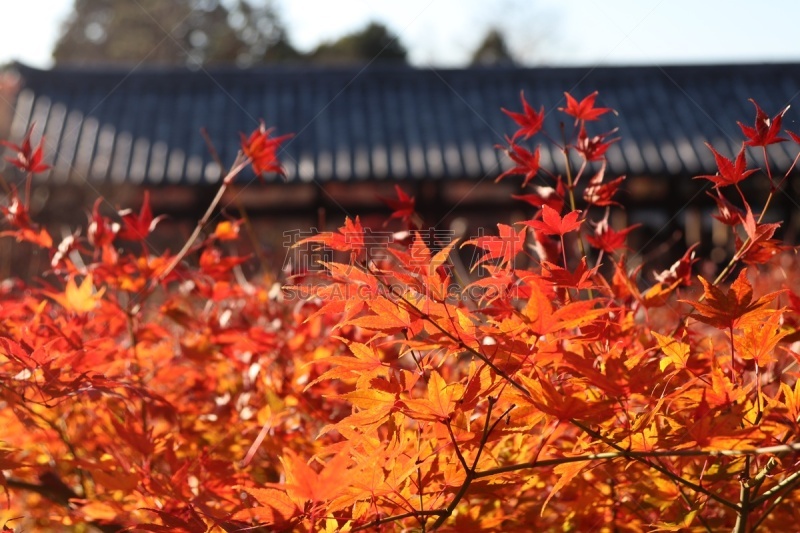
[(143, 126)]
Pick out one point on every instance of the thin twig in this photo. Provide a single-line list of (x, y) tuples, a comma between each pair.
[(744, 500), (644, 460), (790, 483), (238, 165), (251, 232)]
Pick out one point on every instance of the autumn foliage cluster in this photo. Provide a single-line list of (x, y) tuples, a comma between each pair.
[(550, 386)]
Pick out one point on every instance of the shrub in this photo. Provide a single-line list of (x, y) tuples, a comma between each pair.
[(389, 389)]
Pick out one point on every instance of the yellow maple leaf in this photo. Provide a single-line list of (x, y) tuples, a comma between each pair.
[(677, 353), (227, 230), (79, 298)]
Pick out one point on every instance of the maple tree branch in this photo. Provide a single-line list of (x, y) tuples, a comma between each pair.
[(416, 357), (733, 354), (744, 499), (786, 175), (759, 405), (644, 460), (51, 488), (455, 446), (632, 454), (762, 474), (28, 183), (612, 496), (790, 483), (251, 233), (130, 315), (61, 435), (425, 316), (771, 184), (689, 503), (448, 511), (572, 205), (238, 165), (471, 473), (421, 500), (486, 430), (768, 511), (55, 490), (389, 519)]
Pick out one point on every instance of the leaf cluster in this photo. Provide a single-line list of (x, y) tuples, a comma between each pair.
[(552, 387)]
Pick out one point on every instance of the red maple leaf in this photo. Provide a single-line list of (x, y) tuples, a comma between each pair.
[(599, 193), (580, 278), (17, 212), (262, 150), (505, 246), (529, 120), (729, 214), (731, 309), (758, 253), (526, 163), (545, 248), (681, 270), (403, 207), (760, 246), (758, 232), (215, 264), (730, 172), (585, 109), (101, 231), (608, 239), (350, 237), (24, 229), (27, 158), (594, 148), (544, 195), (553, 224), (765, 130), (795, 137), (138, 227)]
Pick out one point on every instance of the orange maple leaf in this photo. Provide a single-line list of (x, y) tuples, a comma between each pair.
[(504, 247), (350, 237), (758, 341), (553, 223), (365, 365), (440, 401), (733, 309), (79, 299), (276, 507), (303, 484), (567, 471), (227, 230), (677, 352)]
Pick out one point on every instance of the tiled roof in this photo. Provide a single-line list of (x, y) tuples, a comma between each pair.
[(383, 122)]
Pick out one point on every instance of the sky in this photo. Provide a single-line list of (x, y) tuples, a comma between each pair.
[(541, 32)]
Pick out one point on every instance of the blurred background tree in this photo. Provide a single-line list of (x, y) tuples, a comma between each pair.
[(493, 51), (174, 32), (203, 32), (374, 42), (520, 32), (252, 32), (265, 35)]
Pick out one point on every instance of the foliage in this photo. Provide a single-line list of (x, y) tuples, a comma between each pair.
[(180, 32), (204, 32), (492, 51), (566, 392), (375, 42)]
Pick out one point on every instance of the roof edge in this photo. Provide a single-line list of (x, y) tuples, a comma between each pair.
[(304, 69)]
